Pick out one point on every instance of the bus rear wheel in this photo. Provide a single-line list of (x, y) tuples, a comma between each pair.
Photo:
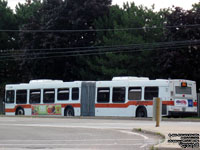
[(69, 111), (141, 112), (20, 111)]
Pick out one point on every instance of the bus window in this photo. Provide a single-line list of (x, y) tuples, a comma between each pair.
[(10, 96), (183, 90), (150, 93), (35, 96), (134, 93), (21, 96), (75, 93), (118, 95), (49, 95), (63, 94), (103, 95)]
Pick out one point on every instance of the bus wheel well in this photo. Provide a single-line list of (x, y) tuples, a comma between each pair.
[(141, 111), (69, 111), (19, 111)]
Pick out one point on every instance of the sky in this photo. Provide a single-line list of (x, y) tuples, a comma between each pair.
[(186, 4)]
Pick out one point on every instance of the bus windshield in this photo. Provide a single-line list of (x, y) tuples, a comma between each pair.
[(183, 90)]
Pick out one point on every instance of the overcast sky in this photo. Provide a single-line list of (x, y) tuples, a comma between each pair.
[(186, 4)]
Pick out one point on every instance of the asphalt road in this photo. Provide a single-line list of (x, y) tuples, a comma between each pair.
[(67, 133)]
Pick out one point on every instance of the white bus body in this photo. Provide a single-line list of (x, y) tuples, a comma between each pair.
[(11, 108), (122, 96)]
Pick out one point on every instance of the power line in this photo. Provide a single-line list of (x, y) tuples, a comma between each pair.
[(99, 30), (98, 53), (108, 49), (91, 48), (76, 55)]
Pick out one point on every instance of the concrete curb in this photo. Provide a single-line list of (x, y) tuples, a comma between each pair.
[(149, 132), (162, 136), (159, 145)]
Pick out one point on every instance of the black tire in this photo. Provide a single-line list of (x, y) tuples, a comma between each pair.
[(141, 112), (69, 111), (20, 111)]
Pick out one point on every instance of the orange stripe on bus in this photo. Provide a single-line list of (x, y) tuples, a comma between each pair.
[(73, 105), (104, 105), (168, 102), (125, 105), (10, 110), (24, 106), (14, 109), (30, 106)]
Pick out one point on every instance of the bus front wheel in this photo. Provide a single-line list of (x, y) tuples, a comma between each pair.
[(69, 111), (19, 111), (141, 112)]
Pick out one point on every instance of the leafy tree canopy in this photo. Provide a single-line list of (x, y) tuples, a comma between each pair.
[(60, 15)]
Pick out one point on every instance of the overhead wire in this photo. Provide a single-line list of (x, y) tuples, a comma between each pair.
[(91, 48), (102, 52), (99, 30), (87, 54)]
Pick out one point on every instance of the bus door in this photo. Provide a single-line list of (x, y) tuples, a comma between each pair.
[(9, 100), (88, 98)]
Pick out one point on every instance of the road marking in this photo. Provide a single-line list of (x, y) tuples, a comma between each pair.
[(71, 140), (70, 144), (128, 132), (133, 133), (64, 126), (143, 145)]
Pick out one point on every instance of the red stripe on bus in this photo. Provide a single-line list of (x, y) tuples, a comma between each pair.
[(10, 110), (24, 106), (195, 104), (14, 109), (168, 103), (30, 106), (73, 105), (99, 105), (125, 105)]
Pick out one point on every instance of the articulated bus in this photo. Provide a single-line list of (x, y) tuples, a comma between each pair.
[(122, 96)]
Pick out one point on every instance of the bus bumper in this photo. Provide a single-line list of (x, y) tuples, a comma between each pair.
[(182, 114)]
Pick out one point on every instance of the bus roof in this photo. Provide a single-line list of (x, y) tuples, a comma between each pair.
[(34, 84), (116, 81)]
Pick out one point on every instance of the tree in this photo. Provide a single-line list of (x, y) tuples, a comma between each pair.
[(137, 61), (8, 22), (60, 15), (8, 41), (25, 11), (182, 61)]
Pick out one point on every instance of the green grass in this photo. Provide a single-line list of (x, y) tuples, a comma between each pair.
[(192, 118)]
